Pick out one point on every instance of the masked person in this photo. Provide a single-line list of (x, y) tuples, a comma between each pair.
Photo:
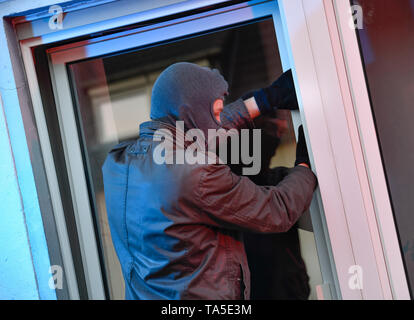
[(176, 227), (277, 269)]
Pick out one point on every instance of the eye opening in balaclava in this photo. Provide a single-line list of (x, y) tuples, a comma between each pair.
[(186, 91)]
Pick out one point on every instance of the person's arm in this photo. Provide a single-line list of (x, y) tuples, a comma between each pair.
[(229, 200), (280, 94), (233, 201)]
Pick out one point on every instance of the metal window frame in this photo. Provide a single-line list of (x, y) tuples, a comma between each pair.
[(347, 230)]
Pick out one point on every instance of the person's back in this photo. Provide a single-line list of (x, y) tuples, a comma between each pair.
[(165, 248)]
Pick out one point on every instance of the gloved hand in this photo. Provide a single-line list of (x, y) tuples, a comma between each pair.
[(280, 95), (302, 155)]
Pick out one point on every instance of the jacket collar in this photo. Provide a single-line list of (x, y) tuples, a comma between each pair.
[(149, 127)]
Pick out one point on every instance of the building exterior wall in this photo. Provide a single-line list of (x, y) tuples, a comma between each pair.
[(24, 260)]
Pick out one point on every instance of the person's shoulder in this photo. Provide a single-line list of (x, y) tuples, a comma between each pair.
[(121, 146), (120, 152)]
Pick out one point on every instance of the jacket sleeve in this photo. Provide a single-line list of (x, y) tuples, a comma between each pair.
[(233, 201), (236, 116)]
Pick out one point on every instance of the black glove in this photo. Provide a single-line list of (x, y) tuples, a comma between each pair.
[(280, 95), (302, 155)]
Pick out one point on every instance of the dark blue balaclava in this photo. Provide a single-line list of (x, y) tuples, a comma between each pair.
[(185, 91)]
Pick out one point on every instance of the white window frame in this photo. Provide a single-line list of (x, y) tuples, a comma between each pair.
[(348, 233)]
